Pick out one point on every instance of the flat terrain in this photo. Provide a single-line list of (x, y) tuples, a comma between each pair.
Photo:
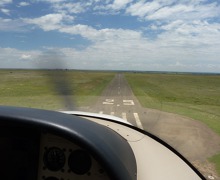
[(44, 88)]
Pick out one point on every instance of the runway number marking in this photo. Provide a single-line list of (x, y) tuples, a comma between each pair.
[(128, 102), (108, 101), (112, 101)]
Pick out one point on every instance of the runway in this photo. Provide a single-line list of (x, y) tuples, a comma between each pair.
[(119, 100)]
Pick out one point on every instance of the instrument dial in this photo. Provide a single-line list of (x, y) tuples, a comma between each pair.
[(79, 162), (54, 159)]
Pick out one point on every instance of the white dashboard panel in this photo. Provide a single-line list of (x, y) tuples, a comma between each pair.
[(154, 160)]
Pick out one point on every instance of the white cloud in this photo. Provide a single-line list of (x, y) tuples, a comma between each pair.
[(142, 54), (56, 22), (4, 2), (185, 12), (11, 25), (134, 53), (50, 21), (195, 33), (67, 7), (53, 1), (24, 4), (169, 12), (5, 11), (111, 7), (173, 10), (14, 58), (25, 56), (118, 4), (100, 35), (172, 25), (83, 30), (126, 49), (141, 9), (72, 8)]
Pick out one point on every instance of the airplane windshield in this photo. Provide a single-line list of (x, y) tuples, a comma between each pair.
[(154, 64)]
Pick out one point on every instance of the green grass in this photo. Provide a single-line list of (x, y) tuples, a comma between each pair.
[(216, 160), (39, 89)]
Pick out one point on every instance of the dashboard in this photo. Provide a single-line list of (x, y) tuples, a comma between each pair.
[(47, 145)]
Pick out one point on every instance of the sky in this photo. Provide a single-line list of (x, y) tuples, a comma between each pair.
[(145, 35)]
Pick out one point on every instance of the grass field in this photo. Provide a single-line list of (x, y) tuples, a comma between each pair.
[(216, 160), (35, 88), (194, 96)]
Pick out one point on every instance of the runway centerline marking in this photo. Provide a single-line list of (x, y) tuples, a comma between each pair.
[(138, 121)]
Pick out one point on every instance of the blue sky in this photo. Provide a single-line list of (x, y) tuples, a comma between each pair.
[(158, 35)]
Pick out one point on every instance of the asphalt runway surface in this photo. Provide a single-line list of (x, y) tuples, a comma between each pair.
[(191, 138), (118, 100)]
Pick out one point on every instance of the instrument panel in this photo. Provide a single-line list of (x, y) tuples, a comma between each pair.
[(60, 159), (47, 145), (33, 155)]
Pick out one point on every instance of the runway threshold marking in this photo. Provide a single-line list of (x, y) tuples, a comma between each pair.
[(124, 116), (138, 121)]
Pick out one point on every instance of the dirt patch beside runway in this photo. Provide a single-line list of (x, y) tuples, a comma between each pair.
[(193, 139)]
